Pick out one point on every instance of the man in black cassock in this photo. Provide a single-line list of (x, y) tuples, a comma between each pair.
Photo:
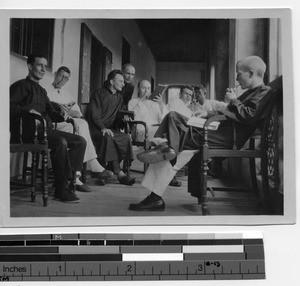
[(128, 89), (67, 150), (112, 146)]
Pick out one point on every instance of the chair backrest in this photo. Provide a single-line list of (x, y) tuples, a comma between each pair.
[(262, 120), (270, 125), (17, 125), (15, 129)]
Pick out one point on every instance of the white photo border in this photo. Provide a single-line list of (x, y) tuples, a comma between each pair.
[(289, 124)]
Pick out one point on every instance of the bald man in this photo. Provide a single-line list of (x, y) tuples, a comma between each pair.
[(146, 110), (128, 89), (175, 136)]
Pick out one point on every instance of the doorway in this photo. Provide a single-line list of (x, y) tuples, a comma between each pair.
[(96, 78), (93, 66)]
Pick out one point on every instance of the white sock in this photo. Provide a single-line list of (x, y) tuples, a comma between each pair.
[(77, 181), (94, 166)]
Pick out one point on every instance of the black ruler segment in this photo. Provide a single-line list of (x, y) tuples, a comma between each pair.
[(253, 241), (147, 242), (38, 242), (91, 242), (124, 257), (64, 242), (11, 243), (27, 249), (119, 242), (58, 257)]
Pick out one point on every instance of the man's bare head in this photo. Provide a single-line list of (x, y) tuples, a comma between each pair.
[(250, 72), (253, 63), (128, 72), (37, 65), (144, 88), (61, 76)]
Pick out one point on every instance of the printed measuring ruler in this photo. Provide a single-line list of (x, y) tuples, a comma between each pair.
[(95, 257)]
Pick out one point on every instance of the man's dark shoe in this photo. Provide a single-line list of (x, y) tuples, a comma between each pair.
[(102, 182), (126, 180), (175, 183), (67, 197), (106, 174), (83, 188), (149, 204), (102, 176), (157, 154)]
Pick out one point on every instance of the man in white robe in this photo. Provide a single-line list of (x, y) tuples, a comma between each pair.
[(146, 110)]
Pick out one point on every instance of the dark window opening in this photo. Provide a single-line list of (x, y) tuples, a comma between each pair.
[(125, 51), (32, 36), (152, 84)]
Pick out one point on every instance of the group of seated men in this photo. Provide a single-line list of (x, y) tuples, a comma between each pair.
[(103, 146), (96, 142)]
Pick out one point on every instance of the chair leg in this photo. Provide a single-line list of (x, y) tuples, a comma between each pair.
[(265, 183), (145, 167), (253, 168), (146, 147), (33, 176), (83, 172), (45, 177), (203, 186), (253, 175), (73, 182), (24, 171)]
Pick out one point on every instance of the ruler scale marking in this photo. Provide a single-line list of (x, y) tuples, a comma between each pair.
[(114, 257)]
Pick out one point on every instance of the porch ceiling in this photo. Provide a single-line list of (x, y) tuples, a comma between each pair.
[(177, 40)]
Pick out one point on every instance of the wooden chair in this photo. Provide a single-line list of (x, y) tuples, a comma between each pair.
[(197, 184), (37, 147), (145, 143), (27, 169)]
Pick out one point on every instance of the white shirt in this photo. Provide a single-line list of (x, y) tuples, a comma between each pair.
[(147, 110), (179, 106), (213, 105), (63, 97)]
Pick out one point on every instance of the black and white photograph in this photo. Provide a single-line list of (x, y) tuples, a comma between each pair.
[(149, 117)]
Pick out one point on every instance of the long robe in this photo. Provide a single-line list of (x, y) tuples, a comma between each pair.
[(103, 113), (127, 92)]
